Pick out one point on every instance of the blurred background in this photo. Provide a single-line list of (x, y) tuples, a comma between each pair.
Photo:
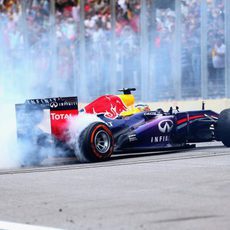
[(167, 49)]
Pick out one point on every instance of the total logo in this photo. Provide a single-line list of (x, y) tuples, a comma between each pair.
[(61, 116), (165, 126)]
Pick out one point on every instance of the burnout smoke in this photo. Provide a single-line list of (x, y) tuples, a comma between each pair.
[(9, 155), (76, 127)]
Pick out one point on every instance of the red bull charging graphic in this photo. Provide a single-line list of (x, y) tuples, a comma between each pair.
[(110, 106)]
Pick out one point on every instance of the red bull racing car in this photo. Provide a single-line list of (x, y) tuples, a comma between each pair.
[(119, 126)]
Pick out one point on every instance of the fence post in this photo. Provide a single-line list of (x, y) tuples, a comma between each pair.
[(53, 48), (113, 64), (82, 84), (227, 43), (144, 52), (204, 50), (177, 52)]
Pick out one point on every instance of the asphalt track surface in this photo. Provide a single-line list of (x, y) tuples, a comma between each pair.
[(172, 190)]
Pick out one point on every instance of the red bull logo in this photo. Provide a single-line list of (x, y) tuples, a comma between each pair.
[(110, 105)]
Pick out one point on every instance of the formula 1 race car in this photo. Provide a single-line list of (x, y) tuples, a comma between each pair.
[(120, 126)]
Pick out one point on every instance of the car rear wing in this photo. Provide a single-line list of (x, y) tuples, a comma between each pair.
[(50, 115)]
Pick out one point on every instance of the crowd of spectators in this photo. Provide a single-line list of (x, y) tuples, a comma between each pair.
[(191, 45), (52, 52)]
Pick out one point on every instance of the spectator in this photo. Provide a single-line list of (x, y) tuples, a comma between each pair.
[(218, 60)]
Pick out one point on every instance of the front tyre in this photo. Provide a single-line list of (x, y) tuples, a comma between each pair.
[(96, 142), (223, 127)]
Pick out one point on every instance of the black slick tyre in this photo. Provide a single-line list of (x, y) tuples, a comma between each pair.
[(223, 127), (96, 142)]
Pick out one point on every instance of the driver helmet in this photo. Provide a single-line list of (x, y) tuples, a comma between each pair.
[(143, 107)]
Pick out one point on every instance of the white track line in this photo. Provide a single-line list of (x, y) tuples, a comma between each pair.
[(15, 226)]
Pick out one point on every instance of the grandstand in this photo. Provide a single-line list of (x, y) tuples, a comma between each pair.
[(168, 50)]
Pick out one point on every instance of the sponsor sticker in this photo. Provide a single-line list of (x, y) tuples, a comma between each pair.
[(110, 106), (53, 104), (159, 139), (60, 116), (165, 126)]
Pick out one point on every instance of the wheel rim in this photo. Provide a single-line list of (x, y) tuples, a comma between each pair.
[(102, 141)]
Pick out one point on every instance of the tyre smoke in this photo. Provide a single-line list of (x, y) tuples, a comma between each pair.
[(77, 125), (9, 156)]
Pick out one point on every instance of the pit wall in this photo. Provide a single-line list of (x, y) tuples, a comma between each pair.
[(216, 105)]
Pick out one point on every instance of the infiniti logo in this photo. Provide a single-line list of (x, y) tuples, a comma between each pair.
[(165, 126), (53, 104)]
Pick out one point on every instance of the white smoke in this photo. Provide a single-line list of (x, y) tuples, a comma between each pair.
[(9, 154), (16, 152), (77, 125), (25, 72)]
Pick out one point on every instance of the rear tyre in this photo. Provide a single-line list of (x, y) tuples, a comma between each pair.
[(96, 142), (223, 127)]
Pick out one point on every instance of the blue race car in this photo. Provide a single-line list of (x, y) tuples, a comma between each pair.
[(121, 126)]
